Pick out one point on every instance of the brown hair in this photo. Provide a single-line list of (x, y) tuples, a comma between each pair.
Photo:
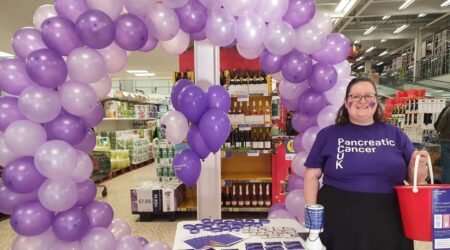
[(342, 115)]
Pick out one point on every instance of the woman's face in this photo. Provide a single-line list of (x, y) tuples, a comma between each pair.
[(361, 103)]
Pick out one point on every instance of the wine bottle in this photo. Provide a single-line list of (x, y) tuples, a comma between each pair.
[(254, 141), (234, 197), (247, 201), (267, 114), (240, 197), (268, 200), (267, 140), (261, 196), (254, 196), (227, 197), (260, 140), (228, 142), (248, 139), (238, 139)]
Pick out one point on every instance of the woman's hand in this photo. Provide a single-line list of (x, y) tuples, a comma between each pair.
[(422, 172)]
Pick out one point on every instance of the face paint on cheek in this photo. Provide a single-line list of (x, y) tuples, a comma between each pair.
[(372, 105), (350, 104)]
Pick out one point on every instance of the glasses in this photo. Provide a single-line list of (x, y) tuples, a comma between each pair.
[(358, 98)]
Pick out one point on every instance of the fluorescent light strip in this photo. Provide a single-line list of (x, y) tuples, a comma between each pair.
[(384, 53), (341, 5), (380, 63), (145, 74), (138, 71), (359, 58), (370, 30), (370, 49), (422, 15), (401, 28), (406, 4), (5, 55), (360, 67), (386, 17), (357, 42), (446, 3), (349, 6), (383, 40)]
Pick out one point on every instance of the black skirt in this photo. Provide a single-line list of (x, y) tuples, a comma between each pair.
[(361, 221)]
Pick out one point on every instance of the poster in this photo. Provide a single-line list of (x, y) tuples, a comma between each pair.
[(441, 218)]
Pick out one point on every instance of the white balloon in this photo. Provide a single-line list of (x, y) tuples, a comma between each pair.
[(6, 154), (39, 242), (344, 69), (119, 228), (178, 44), (327, 116), (323, 22), (43, 12), (250, 53), (175, 126), (112, 8), (102, 87)]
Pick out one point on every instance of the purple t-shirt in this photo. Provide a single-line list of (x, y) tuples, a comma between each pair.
[(371, 158)]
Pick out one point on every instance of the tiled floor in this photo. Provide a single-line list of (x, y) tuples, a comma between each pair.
[(119, 198)]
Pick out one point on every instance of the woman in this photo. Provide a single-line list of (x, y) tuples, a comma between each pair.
[(362, 159)]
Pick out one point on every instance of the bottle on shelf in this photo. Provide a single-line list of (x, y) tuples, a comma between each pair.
[(268, 199), (234, 197), (260, 140), (261, 196), (222, 200), (247, 201), (227, 197), (254, 141), (238, 140), (267, 140), (267, 114), (233, 139), (228, 142), (254, 197), (240, 197), (248, 139)]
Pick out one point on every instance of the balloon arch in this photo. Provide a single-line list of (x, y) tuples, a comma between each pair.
[(62, 68)]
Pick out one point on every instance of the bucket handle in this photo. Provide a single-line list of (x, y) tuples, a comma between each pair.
[(416, 169)]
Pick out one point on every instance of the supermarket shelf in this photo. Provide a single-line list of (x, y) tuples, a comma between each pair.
[(247, 150), (247, 177), (187, 206), (283, 137), (129, 119), (135, 102), (190, 206), (243, 126)]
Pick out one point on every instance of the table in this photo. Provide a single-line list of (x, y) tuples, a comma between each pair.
[(182, 233)]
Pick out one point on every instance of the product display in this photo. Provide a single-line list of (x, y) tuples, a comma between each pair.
[(164, 152), (157, 197)]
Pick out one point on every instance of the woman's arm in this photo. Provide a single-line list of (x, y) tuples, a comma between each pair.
[(422, 172), (311, 184)]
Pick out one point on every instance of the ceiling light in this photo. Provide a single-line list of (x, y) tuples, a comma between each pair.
[(401, 28), (5, 55), (370, 30), (386, 17), (446, 3), (438, 91), (422, 15), (404, 54), (380, 63), (383, 40), (384, 53), (345, 5), (138, 71), (360, 67), (370, 49), (145, 74), (406, 4), (357, 42), (349, 6), (359, 58), (383, 74)]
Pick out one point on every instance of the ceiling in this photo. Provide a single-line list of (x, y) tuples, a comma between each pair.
[(15, 14)]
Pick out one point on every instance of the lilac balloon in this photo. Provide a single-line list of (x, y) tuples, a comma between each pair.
[(296, 67), (281, 214), (280, 38), (301, 122), (163, 22), (221, 27), (176, 90), (215, 128), (87, 191), (139, 7), (298, 143), (46, 68), (295, 202), (292, 91), (88, 143), (192, 16), (66, 127), (327, 116), (309, 39), (77, 98), (71, 225), (309, 137), (31, 219), (83, 169), (298, 163), (323, 22), (187, 167), (239, 7), (174, 126), (24, 137), (13, 76), (95, 28), (111, 8), (176, 45), (142, 240), (115, 57), (219, 98), (156, 245), (150, 44), (59, 34), (269, 62), (336, 95), (95, 117), (193, 102), (196, 142), (199, 36), (323, 77), (343, 69), (55, 159), (42, 13), (251, 30), (336, 49), (58, 194), (102, 87), (39, 104), (27, 40), (38, 242), (119, 228), (272, 10), (211, 4), (100, 214), (276, 207), (131, 32), (174, 3), (6, 155), (299, 12), (295, 182), (21, 176), (311, 102), (291, 105), (128, 243), (70, 9), (10, 200), (86, 65), (98, 239), (61, 245), (250, 53), (9, 111)]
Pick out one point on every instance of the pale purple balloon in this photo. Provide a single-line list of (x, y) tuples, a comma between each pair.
[(196, 142), (59, 34), (43, 13), (292, 91), (98, 238), (187, 167), (77, 98), (156, 245), (115, 57), (70, 9), (58, 194), (343, 69), (131, 32), (38, 242), (31, 219), (323, 77), (128, 243), (336, 95), (62, 245), (327, 116), (176, 45), (46, 67), (88, 143), (163, 22), (6, 154), (71, 225), (174, 3), (336, 49), (298, 163), (95, 117), (323, 22), (239, 7), (296, 67), (211, 4), (24, 137), (199, 36), (139, 7), (280, 37), (299, 12), (291, 105), (9, 111), (39, 104), (215, 128), (193, 102), (86, 65), (83, 168), (295, 202), (309, 137), (174, 126), (13, 76), (150, 44), (10, 200), (87, 191), (21, 176), (55, 159), (281, 214), (221, 27), (311, 102), (100, 214), (142, 240), (192, 16), (219, 98), (250, 53), (295, 182), (119, 228), (298, 143), (272, 10), (269, 62), (176, 90), (301, 122), (27, 40), (95, 28), (251, 30), (111, 8), (102, 87), (275, 207), (309, 39)]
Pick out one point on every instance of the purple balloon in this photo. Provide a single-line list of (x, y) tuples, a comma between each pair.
[(27, 40), (299, 12), (31, 218), (10, 200), (291, 105), (336, 49), (298, 146), (196, 142), (13, 76), (71, 225), (9, 111), (59, 34), (70, 9), (199, 36), (301, 122), (215, 128), (150, 44), (296, 67), (311, 102), (187, 167), (87, 191), (219, 98), (46, 68), (179, 86), (269, 62), (88, 143), (193, 102), (95, 117), (100, 214), (295, 182), (192, 16), (323, 77), (131, 32), (21, 176), (276, 207), (142, 240), (66, 127), (95, 28)]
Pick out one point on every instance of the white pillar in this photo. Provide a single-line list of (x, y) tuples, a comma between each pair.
[(207, 69), (417, 53)]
